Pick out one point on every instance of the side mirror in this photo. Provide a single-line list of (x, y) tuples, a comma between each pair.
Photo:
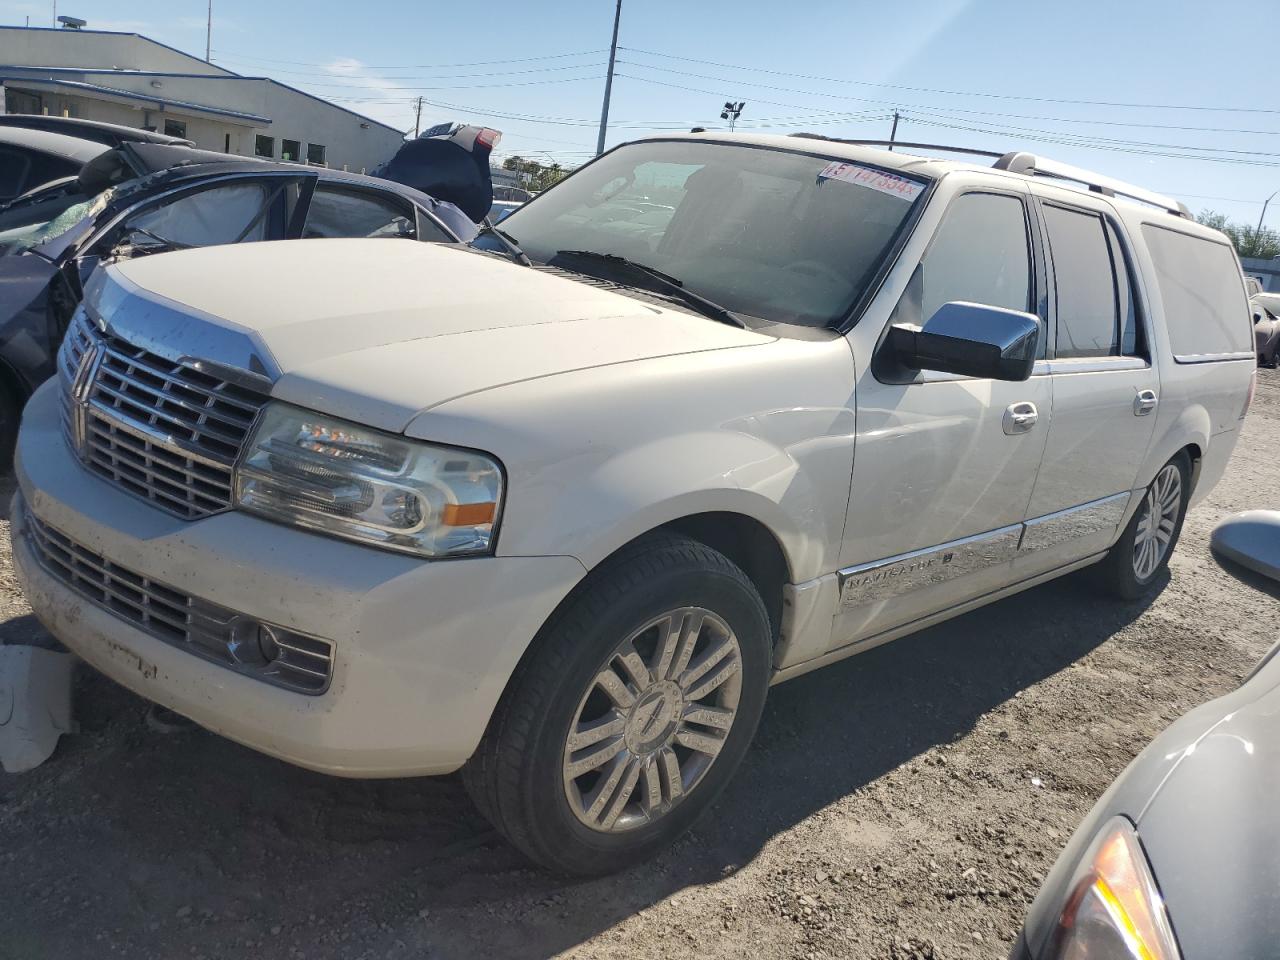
[(969, 339)]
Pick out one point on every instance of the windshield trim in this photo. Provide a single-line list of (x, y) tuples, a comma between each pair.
[(849, 319)]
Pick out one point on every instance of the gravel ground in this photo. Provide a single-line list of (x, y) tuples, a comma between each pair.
[(905, 803)]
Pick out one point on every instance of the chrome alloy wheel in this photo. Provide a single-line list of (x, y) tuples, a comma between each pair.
[(653, 720), (1157, 520)]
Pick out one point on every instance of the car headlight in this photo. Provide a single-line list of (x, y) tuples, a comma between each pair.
[(325, 474), (1114, 910)]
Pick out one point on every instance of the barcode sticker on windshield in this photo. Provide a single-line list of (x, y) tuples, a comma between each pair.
[(877, 180)]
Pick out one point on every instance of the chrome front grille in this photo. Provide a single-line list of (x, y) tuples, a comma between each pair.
[(294, 661), (160, 429)]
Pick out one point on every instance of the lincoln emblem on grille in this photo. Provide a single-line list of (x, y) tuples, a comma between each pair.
[(81, 388)]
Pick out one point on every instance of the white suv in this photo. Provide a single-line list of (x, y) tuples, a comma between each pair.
[(558, 516)]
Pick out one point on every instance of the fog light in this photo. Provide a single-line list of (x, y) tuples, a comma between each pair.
[(267, 645), (252, 643)]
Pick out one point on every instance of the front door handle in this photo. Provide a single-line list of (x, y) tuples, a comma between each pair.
[(1144, 402), (1020, 417)]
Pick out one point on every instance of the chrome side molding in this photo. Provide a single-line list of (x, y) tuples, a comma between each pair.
[(1074, 523), (895, 576), (907, 572), (1193, 358)]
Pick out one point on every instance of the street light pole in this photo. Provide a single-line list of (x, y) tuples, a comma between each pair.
[(608, 80), (732, 111), (208, 35)]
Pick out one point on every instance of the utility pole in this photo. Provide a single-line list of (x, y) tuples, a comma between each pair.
[(208, 35), (608, 80), (893, 134), (417, 119), (1257, 233)]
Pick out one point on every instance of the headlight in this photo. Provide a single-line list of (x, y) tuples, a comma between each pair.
[(1114, 911), (326, 474)]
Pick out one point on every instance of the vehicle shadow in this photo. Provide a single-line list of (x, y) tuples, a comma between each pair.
[(222, 844), (1250, 578)]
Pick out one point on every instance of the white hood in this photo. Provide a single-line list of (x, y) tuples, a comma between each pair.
[(380, 330)]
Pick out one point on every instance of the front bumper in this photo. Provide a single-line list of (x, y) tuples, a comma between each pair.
[(422, 650)]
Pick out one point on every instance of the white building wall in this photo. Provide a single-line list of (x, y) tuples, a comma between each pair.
[(350, 141), (33, 47)]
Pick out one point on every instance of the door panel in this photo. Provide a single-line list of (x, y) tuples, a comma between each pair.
[(1097, 439), (1105, 390), (933, 466), (943, 470)]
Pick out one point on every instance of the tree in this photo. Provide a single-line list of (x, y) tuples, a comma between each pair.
[(535, 175), (1249, 241)]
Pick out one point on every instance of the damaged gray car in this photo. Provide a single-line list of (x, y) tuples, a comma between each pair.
[(145, 198)]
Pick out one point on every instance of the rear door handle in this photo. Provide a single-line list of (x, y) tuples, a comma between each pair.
[(1020, 417), (1144, 402)]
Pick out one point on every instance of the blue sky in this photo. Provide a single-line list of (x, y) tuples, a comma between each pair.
[(994, 74)]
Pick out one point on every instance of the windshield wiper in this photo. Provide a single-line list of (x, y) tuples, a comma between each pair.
[(666, 283), (508, 244)]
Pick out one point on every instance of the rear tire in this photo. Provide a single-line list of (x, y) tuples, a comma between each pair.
[(1133, 566), (659, 662)]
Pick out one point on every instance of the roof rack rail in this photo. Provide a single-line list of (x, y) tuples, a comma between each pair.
[(1032, 165), (944, 148)]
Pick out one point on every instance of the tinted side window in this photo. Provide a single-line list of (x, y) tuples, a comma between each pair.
[(336, 213), (1133, 343), (1084, 284), (44, 168), (13, 173), (1202, 292), (979, 254), (230, 214)]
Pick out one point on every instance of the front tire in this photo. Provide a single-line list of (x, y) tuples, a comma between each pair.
[(1142, 553), (631, 711)]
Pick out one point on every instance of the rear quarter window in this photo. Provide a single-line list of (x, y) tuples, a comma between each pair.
[(1202, 291)]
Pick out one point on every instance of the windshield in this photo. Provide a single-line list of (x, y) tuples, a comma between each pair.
[(30, 226), (768, 233)]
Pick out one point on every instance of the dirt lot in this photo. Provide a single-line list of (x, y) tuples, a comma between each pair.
[(904, 803)]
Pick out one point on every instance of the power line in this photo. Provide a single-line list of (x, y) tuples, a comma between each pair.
[(339, 77), (338, 74), (1201, 196), (464, 86), (1065, 139), (1089, 139), (989, 131), (414, 66), (665, 124), (819, 93), (772, 103), (956, 93)]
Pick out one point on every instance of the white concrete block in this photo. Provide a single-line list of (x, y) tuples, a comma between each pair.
[(35, 705)]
